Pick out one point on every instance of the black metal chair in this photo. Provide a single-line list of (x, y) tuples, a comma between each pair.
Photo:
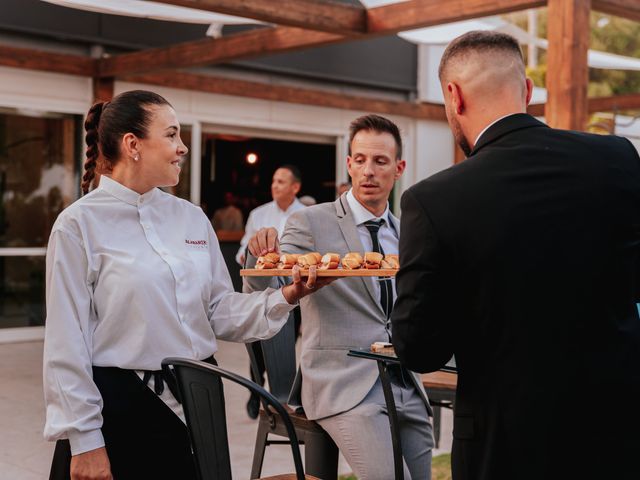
[(201, 391), (321, 453)]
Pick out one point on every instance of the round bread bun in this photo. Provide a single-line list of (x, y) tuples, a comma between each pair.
[(390, 261), (310, 259), (352, 261), (372, 260)]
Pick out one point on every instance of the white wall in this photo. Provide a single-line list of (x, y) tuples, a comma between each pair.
[(429, 89), (436, 146), (42, 91)]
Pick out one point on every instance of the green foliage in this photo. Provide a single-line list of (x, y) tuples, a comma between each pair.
[(538, 75), (608, 34), (440, 469), (620, 36)]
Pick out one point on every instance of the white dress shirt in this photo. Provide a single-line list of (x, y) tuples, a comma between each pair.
[(132, 279), (264, 216), (387, 235)]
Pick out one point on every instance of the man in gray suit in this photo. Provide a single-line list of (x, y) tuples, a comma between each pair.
[(343, 394)]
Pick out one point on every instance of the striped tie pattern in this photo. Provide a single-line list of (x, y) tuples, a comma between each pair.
[(386, 292)]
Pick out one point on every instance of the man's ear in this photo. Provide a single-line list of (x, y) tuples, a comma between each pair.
[(529, 83), (400, 166), (457, 100), (296, 187)]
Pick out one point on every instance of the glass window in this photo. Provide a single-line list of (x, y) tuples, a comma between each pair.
[(22, 291), (39, 156)]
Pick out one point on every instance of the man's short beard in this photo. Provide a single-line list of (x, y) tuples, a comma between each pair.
[(459, 136), (464, 146)]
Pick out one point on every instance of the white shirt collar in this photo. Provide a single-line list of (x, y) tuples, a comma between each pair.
[(361, 214), (487, 127), (123, 193), (290, 209)]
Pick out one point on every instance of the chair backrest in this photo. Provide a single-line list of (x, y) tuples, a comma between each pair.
[(279, 353), (201, 390)]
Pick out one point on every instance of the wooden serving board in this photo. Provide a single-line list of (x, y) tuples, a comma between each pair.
[(338, 272)]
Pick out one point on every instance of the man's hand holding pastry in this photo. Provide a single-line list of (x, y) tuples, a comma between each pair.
[(264, 241)]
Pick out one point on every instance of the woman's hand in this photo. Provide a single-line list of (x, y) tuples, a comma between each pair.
[(91, 465), (300, 288)]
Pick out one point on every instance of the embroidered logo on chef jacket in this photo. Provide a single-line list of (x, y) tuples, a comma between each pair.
[(196, 244)]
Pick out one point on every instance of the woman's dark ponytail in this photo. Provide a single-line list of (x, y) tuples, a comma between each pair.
[(91, 138)]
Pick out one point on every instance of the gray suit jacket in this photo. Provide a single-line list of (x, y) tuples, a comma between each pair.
[(344, 315)]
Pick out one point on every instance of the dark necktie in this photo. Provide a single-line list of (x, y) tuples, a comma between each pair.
[(386, 290)]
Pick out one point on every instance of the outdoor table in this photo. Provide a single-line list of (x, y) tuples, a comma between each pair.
[(384, 360), (441, 390)]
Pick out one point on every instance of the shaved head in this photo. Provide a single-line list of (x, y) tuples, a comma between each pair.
[(479, 43), (483, 78), (485, 63)]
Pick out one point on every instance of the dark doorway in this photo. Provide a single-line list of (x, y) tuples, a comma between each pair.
[(225, 168)]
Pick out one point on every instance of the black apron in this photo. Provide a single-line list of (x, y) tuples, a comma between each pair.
[(144, 438)]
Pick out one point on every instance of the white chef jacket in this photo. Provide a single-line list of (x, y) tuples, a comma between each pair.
[(267, 215), (132, 279)]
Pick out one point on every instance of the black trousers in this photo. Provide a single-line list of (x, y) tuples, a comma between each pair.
[(144, 438)]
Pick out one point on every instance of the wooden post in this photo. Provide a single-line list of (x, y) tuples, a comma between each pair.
[(567, 70), (102, 89)]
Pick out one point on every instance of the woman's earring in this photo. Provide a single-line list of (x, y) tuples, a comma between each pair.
[(136, 157)]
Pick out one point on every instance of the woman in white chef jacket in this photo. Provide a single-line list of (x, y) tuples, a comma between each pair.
[(135, 275)]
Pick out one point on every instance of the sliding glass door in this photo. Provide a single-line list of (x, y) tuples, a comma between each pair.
[(40, 155)]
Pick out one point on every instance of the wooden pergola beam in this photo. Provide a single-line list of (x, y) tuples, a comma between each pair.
[(598, 104), (384, 20), (103, 89), (322, 15), (614, 103), (209, 51), (280, 93), (567, 69), (329, 16), (47, 61), (629, 9), (425, 13)]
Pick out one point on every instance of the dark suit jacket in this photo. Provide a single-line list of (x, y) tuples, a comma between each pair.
[(524, 262)]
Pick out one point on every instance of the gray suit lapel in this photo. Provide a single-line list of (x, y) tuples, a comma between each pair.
[(351, 236), (395, 222)]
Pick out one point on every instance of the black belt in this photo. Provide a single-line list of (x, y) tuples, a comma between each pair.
[(160, 378)]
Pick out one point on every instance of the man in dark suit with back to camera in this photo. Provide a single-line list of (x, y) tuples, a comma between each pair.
[(524, 262)]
